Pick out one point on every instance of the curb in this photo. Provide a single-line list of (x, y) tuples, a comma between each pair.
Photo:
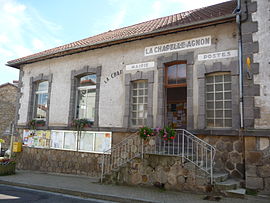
[(77, 193)]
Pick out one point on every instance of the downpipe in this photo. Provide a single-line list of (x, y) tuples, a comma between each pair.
[(240, 63)]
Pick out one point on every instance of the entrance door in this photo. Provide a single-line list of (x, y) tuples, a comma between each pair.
[(176, 95)]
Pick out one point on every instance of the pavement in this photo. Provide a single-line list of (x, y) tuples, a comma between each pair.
[(88, 187)]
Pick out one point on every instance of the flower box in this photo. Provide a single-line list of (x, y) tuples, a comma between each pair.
[(7, 167)]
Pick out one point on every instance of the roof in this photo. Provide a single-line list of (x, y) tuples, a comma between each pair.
[(6, 84), (142, 30)]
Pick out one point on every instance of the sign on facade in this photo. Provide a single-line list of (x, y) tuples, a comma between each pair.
[(178, 46), (140, 65), (218, 55)]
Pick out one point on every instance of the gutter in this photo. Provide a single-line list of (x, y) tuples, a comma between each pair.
[(107, 43)]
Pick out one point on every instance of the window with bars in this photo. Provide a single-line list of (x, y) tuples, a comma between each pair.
[(139, 99), (218, 100)]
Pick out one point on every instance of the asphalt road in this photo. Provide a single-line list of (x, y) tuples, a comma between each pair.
[(12, 194)]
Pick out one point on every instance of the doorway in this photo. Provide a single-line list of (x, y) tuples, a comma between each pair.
[(176, 95)]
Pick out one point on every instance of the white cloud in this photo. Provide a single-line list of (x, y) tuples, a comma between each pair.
[(23, 32), (162, 8), (38, 44), (118, 19)]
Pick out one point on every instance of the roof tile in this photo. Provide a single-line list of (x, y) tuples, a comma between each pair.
[(180, 19)]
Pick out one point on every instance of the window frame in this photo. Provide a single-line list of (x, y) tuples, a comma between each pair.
[(75, 74), (145, 88), (167, 85), (31, 103), (35, 98), (76, 109), (202, 71), (129, 78), (223, 100)]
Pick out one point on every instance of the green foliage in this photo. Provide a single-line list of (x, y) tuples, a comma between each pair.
[(146, 132), (167, 133), (79, 124), (33, 124)]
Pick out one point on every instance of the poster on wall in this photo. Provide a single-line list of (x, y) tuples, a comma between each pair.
[(57, 139), (103, 142), (86, 142), (39, 138)]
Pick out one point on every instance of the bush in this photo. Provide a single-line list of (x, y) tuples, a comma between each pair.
[(7, 166), (146, 132), (166, 133)]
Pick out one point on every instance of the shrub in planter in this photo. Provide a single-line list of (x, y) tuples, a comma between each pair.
[(146, 132), (79, 124), (7, 166), (33, 124), (167, 133)]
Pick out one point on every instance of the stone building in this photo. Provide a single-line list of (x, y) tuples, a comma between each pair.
[(202, 70), (8, 95)]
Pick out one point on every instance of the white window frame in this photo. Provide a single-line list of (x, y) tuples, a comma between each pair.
[(214, 92), (77, 100), (145, 110), (36, 94)]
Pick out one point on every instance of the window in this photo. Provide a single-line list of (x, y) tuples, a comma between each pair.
[(176, 75), (139, 91), (86, 97), (41, 100), (218, 100)]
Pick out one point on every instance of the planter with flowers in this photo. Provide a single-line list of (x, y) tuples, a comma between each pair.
[(149, 138), (80, 124), (33, 124), (167, 133), (7, 166), (146, 133)]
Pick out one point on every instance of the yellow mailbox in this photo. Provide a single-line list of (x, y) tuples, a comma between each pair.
[(17, 146)]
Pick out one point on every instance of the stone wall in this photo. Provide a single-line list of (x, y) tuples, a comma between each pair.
[(229, 154), (257, 153), (59, 161), (161, 171), (8, 93)]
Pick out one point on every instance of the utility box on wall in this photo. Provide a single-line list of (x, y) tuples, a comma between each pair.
[(17, 147)]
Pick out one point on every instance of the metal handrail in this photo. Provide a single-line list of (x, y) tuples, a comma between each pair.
[(121, 153), (189, 147), (185, 145)]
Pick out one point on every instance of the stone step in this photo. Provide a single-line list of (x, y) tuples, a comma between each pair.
[(237, 193), (220, 177), (229, 184)]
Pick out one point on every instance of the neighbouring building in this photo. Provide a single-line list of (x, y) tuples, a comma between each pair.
[(8, 95), (204, 70)]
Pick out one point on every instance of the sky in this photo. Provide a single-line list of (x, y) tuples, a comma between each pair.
[(31, 26)]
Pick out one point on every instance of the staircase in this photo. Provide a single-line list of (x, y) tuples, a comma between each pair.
[(121, 153), (185, 145), (227, 186)]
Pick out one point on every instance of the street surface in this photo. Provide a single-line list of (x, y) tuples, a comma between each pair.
[(12, 194)]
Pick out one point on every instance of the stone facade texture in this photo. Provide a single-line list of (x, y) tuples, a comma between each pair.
[(163, 172), (229, 154), (8, 93), (257, 163), (59, 161)]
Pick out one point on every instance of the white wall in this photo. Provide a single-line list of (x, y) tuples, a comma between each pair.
[(263, 58), (114, 58)]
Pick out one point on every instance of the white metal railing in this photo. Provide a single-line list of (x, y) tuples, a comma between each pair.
[(187, 146), (121, 153)]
